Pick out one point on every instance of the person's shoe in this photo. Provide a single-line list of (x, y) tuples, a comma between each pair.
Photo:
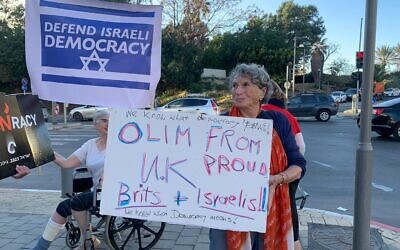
[(96, 243)]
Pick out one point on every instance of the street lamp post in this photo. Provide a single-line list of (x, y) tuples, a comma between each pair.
[(294, 64), (304, 63), (287, 81), (294, 59)]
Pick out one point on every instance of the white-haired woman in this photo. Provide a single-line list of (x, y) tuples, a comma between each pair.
[(92, 155)]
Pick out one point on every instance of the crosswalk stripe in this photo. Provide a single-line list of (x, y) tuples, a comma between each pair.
[(80, 135), (63, 139), (56, 143)]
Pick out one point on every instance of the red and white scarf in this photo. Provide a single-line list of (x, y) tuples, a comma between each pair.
[(279, 233)]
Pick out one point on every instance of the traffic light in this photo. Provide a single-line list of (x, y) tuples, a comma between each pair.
[(359, 59)]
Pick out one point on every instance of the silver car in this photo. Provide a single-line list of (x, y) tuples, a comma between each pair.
[(392, 92), (339, 96), (192, 104), (84, 112)]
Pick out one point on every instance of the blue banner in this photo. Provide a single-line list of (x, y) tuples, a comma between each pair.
[(96, 45), (94, 52)]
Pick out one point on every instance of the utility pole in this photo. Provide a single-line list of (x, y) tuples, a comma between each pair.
[(294, 59), (304, 64), (364, 154), (287, 81), (294, 63), (53, 113)]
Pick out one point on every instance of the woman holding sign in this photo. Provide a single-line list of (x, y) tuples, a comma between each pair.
[(250, 85), (91, 154)]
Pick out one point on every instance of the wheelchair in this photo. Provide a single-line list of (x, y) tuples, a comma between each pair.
[(301, 196), (117, 232)]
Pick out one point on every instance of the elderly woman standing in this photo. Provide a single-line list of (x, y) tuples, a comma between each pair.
[(250, 85)]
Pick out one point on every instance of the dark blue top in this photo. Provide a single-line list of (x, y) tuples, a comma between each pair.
[(284, 130), (277, 102)]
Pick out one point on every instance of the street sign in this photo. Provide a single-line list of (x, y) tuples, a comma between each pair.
[(24, 86), (24, 81), (287, 85)]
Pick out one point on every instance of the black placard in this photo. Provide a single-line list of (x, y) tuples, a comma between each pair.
[(24, 138)]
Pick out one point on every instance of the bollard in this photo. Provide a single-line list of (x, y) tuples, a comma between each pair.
[(53, 114), (354, 106), (65, 114)]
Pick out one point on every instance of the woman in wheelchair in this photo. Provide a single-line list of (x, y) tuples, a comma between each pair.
[(91, 154)]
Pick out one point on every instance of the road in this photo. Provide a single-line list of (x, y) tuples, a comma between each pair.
[(330, 154)]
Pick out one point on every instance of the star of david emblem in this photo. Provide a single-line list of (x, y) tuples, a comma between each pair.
[(94, 57)]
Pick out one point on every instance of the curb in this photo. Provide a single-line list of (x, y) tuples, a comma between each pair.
[(351, 218)]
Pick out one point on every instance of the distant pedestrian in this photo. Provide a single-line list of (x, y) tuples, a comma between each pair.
[(374, 99), (278, 102)]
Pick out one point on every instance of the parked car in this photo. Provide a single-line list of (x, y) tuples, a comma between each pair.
[(84, 112), (392, 92), (350, 92), (339, 96), (192, 104), (386, 118), (319, 105)]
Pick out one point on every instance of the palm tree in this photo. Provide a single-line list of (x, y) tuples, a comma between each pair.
[(385, 56), (397, 52), (317, 60)]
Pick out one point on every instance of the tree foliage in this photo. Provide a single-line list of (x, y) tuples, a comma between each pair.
[(195, 15), (189, 25), (293, 19), (181, 61), (254, 43), (267, 39), (337, 66), (385, 56), (12, 45)]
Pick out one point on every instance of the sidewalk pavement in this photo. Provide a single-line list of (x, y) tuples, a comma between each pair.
[(24, 214)]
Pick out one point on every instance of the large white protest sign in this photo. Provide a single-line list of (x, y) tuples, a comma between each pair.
[(93, 52), (183, 168)]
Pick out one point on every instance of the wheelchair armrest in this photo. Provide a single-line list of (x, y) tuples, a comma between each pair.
[(301, 195), (81, 170), (82, 184)]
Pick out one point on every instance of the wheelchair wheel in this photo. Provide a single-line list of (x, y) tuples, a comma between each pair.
[(127, 233), (73, 236)]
